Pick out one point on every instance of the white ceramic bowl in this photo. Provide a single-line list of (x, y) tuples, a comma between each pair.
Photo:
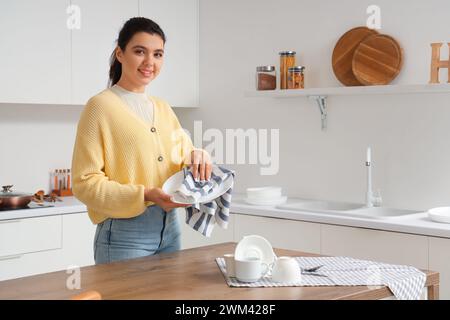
[(286, 269), (440, 214)]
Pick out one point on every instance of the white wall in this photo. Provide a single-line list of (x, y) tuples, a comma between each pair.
[(409, 134), (35, 139)]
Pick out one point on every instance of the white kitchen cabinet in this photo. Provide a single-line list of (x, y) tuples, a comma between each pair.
[(281, 233), (21, 236), (178, 81), (35, 52), (192, 239), (45, 62), (29, 264), (93, 43), (382, 246), (45, 244), (78, 240), (440, 261)]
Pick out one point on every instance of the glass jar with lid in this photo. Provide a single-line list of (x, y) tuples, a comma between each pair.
[(287, 60), (266, 78), (296, 77)]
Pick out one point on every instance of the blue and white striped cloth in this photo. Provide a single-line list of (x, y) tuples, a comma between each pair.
[(202, 217)]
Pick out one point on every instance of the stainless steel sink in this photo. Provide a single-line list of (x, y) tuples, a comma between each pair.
[(381, 213), (321, 206), (343, 209)]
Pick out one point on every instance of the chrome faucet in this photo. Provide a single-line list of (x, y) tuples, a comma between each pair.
[(369, 193), (371, 199)]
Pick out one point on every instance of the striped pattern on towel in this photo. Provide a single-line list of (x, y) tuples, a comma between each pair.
[(405, 282), (202, 217)]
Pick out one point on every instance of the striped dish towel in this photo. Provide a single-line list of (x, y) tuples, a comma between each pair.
[(405, 282), (202, 217)]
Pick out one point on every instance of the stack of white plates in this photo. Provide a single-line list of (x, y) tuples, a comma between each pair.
[(265, 196), (440, 214)]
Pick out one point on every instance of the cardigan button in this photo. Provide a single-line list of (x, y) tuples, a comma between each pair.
[(160, 158), (153, 129)]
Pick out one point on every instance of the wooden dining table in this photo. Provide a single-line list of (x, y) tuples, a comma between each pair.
[(190, 274)]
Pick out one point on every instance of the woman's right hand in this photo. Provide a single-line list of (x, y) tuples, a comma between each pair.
[(162, 199)]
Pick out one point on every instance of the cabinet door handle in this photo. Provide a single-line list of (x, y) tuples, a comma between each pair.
[(10, 221), (15, 256)]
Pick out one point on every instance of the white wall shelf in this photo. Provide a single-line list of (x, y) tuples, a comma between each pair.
[(359, 90), (320, 94)]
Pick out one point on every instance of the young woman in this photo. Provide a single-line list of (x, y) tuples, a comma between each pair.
[(127, 145)]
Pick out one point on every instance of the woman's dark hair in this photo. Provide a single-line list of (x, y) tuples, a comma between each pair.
[(129, 29)]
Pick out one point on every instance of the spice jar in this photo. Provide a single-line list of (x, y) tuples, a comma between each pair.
[(287, 60), (266, 78), (296, 77)]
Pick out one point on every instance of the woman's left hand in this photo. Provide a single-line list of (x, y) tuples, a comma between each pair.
[(201, 164)]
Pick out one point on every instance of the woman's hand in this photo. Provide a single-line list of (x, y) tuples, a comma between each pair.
[(201, 164), (162, 199)]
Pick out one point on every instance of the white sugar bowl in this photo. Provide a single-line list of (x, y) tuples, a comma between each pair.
[(286, 269)]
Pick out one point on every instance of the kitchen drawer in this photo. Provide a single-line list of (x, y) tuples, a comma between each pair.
[(22, 236), (23, 265)]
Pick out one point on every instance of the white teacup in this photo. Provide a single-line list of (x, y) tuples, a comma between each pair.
[(250, 269), (286, 269)]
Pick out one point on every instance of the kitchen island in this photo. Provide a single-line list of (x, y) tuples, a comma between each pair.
[(190, 274)]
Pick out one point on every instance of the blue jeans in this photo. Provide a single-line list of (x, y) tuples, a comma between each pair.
[(152, 232)]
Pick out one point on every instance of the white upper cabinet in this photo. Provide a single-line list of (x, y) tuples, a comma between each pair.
[(93, 43), (47, 59), (179, 19), (35, 51)]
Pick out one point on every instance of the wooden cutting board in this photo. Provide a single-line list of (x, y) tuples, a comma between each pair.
[(343, 54), (377, 60)]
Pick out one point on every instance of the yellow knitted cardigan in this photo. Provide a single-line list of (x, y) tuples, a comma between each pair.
[(117, 155)]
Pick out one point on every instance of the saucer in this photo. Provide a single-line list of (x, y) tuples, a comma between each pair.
[(255, 246)]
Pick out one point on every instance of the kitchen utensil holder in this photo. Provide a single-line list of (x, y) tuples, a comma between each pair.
[(63, 192)]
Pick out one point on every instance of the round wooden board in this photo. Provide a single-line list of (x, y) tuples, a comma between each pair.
[(343, 54), (377, 60)]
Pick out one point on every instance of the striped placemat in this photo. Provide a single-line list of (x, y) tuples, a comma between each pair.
[(405, 282)]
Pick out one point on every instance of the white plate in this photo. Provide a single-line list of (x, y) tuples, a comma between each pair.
[(255, 246), (440, 214), (173, 183), (264, 192), (266, 202)]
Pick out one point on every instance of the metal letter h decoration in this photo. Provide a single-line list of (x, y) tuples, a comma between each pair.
[(437, 63)]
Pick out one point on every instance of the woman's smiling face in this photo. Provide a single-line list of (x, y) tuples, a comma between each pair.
[(141, 60)]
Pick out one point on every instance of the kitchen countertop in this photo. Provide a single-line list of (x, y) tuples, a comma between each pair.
[(418, 224), (177, 276), (67, 206)]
